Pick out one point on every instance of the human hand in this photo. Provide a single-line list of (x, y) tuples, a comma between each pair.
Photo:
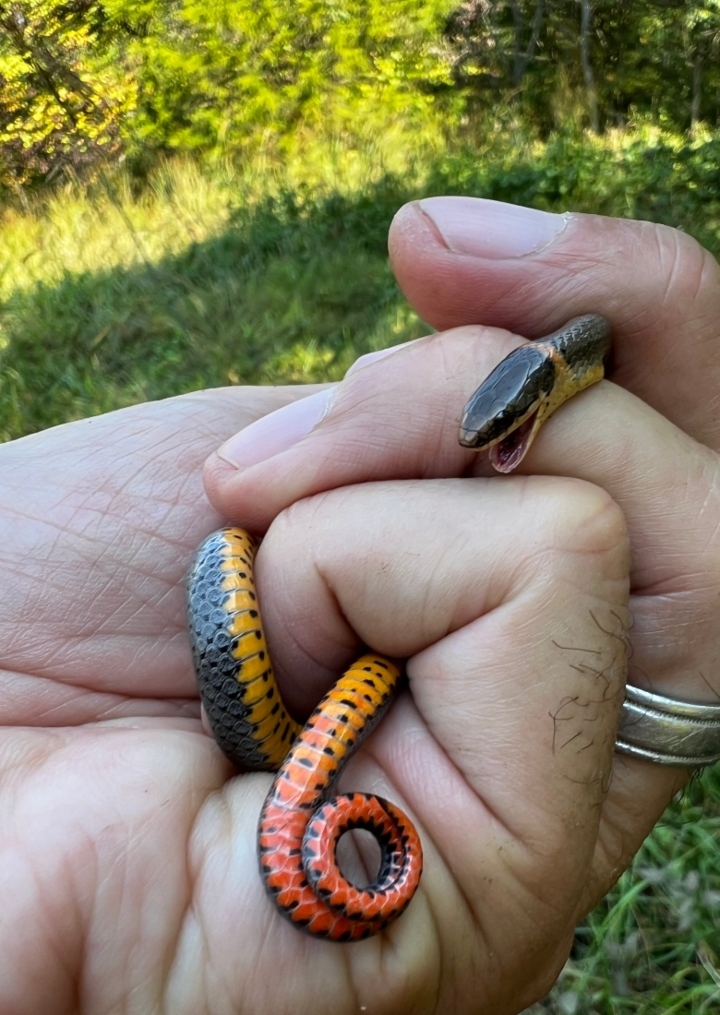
[(129, 873), (650, 438)]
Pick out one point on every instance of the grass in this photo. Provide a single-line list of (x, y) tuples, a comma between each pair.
[(653, 944), (109, 300), (267, 273), (272, 273)]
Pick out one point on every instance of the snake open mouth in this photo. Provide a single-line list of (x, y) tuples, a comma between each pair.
[(507, 454)]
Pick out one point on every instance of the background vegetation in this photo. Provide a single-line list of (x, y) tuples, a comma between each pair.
[(199, 193)]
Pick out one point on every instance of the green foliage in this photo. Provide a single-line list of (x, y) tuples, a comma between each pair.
[(90, 80), (244, 275), (188, 291), (93, 79), (239, 71), (62, 96), (655, 59)]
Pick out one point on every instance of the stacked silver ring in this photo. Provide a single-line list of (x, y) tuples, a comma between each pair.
[(668, 731)]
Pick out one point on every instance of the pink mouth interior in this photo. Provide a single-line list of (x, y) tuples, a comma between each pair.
[(508, 454)]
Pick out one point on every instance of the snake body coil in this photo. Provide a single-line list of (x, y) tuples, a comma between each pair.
[(299, 826)]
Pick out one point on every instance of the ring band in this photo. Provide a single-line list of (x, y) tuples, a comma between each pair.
[(668, 731)]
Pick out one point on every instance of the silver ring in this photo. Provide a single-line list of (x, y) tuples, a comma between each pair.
[(668, 731)]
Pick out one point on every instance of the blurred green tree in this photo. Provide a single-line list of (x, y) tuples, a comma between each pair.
[(63, 94), (89, 80), (595, 62)]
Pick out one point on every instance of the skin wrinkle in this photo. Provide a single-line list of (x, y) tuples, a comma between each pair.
[(41, 718), (634, 324), (173, 943), (672, 586), (686, 267), (433, 848), (450, 422), (338, 498), (78, 502), (444, 754), (118, 706), (614, 857), (20, 573), (69, 962), (114, 505), (700, 324), (559, 914), (437, 587), (140, 422), (64, 663), (190, 925), (711, 498), (21, 514), (22, 758), (524, 293), (361, 446), (320, 666), (97, 550), (715, 692), (435, 445), (485, 807), (474, 915), (105, 591), (370, 582), (133, 568), (540, 559), (713, 406), (154, 535)]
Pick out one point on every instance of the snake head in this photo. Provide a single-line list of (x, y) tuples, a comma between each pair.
[(507, 410), (509, 407)]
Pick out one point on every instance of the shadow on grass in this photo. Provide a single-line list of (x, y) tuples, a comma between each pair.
[(293, 290), (296, 287)]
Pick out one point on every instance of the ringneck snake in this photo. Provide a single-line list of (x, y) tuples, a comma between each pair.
[(301, 821)]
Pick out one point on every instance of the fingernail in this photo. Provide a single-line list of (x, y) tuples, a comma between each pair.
[(492, 229), (277, 431)]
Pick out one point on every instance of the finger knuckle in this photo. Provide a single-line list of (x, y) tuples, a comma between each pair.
[(587, 521), (690, 272)]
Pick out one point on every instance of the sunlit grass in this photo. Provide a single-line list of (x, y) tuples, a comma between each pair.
[(110, 224), (206, 275), (82, 229)]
